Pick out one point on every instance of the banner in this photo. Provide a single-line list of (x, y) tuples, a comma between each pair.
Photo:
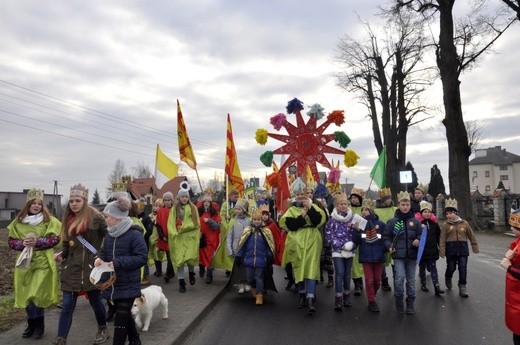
[(185, 149), (232, 169), (378, 173), (165, 168)]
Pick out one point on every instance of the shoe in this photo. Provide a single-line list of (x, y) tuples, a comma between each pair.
[(438, 290), (301, 301), (29, 330), (202, 271), (209, 279), (167, 279), (372, 306), (330, 282), (385, 286), (399, 306), (102, 335), (410, 310), (39, 328), (182, 286), (358, 286), (254, 292), (247, 287), (424, 288), (449, 285), (289, 285), (145, 281), (346, 300), (338, 303), (241, 288), (158, 269), (463, 292), (310, 303), (59, 341), (192, 278), (135, 340), (259, 299)]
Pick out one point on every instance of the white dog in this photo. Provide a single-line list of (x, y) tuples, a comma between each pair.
[(143, 307)]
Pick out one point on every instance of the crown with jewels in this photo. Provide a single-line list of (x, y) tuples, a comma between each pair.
[(35, 193), (369, 203), (403, 195), (384, 192), (451, 203), (79, 190)]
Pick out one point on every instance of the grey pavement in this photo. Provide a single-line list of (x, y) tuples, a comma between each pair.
[(185, 311)]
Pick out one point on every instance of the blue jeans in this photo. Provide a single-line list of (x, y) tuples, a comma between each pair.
[(33, 311), (307, 285), (342, 270), (432, 266), (404, 269), (255, 275), (451, 265), (69, 304)]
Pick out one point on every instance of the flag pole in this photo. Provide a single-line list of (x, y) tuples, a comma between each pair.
[(227, 197), (198, 178)]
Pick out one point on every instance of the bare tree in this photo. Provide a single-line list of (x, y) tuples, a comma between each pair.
[(116, 175), (457, 49), (141, 170), (514, 5), (475, 132), (387, 77)]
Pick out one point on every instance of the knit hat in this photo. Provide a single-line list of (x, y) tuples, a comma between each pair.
[(182, 192), (79, 191), (168, 195), (243, 204), (451, 205), (514, 219), (297, 187), (118, 208), (425, 205), (321, 191), (403, 195), (35, 194)]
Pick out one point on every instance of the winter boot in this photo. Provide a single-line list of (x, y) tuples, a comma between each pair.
[(259, 299), (209, 276), (449, 285), (39, 328), (102, 335), (463, 292), (358, 286), (301, 301), (438, 290), (346, 300), (192, 278), (182, 286), (338, 303), (59, 341), (410, 310), (310, 303), (330, 281), (158, 268), (399, 306), (384, 285), (29, 330), (202, 270), (424, 287), (373, 307)]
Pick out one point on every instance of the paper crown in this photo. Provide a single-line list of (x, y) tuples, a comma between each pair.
[(514, 220), (369, 203), (35, 193), (403, 195), (451, 203), (425, 205), (421, 187), (256, 214), (384, 192), (340, 197), (264, 208), (119, 187), (357, 191), (79, 191)]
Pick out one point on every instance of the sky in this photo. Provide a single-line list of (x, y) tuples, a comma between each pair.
[(84, 84)]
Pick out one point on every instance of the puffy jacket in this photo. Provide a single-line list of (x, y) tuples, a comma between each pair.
[(399, 234), (254, 247), (128, 252), (433, 233), (371, 252)]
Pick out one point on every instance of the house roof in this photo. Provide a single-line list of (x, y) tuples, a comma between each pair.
[(495, 156), (143, 186)]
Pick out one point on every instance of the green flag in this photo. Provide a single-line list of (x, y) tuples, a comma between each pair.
[(378, 173)]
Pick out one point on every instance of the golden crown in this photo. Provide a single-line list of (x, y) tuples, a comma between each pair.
[(451, 203), (358, 191), (514, 220), (35, 193), (425, 205), (256, 214), (403, 195), (421, 187), (369, 203), (340, 197), (384, 192), (118, 187), (79, 190), (263, 208)]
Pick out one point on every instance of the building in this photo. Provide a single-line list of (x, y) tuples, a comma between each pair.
[(491, 166), (12, 202)]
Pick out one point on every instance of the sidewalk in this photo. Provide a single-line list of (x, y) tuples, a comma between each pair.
[(185, 311)]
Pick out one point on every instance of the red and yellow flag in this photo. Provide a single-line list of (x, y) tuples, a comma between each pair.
[(185, 149), (232, 169)]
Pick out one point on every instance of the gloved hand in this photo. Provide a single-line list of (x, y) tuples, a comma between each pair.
[(348, 246), (505, 263)]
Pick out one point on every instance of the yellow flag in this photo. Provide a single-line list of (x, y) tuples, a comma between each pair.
[(165, 168), (232, 169), (185, 149)]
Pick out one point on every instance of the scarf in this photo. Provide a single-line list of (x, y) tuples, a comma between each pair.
[(120, 228), (458, 220), (340, 218), (34, 219)]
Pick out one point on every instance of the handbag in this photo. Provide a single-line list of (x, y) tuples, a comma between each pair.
[(24, 259)]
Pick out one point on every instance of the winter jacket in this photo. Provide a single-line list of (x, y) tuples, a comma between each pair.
[(433, 233), (454, 238), (237, 226), (256, 247), (371, 251), (128, 252), (77, 260), (339, 232), (399, 234)]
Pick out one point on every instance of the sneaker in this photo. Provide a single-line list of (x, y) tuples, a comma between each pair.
[(372, 306), (101, 336), (59, 341), (399, 307), (247, 287), (410, 310), (424, 288), (241, 288)]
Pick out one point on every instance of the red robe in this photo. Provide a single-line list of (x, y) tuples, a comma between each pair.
[(162, 221), (279, 241), (212, 238), (513, 294)]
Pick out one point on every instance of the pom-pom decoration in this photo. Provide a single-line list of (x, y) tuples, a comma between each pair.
[(351, 158), (267, 158), (316, 111), (341, 138), (278, 120), (305, 143), (261, 136), (334, 175), (337, 117)]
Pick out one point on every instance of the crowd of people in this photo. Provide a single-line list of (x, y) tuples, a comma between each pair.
[(349, 237)]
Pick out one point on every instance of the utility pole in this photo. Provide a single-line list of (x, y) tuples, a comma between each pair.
[(56, 200)]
